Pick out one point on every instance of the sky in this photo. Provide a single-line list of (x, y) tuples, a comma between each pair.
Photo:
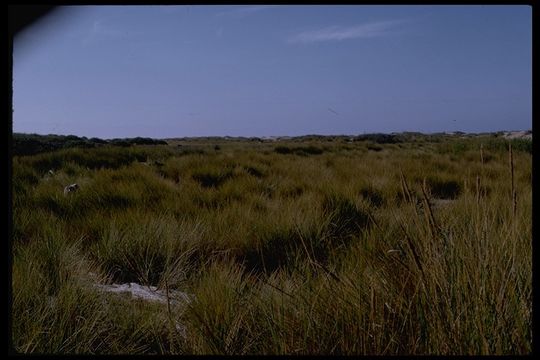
[(261, 70)]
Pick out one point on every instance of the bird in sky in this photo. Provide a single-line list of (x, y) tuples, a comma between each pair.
[(329, 109)]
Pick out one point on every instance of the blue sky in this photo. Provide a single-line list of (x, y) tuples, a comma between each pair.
[(173, 71)]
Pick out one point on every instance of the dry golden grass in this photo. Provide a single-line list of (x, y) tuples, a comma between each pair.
[(321, 247)]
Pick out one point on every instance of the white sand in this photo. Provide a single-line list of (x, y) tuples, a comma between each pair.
[(148, 293)]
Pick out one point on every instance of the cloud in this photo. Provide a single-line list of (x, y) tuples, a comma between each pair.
[(245, 10), (338, 33)]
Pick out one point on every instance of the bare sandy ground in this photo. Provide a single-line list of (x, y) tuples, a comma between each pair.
[(518, 135)]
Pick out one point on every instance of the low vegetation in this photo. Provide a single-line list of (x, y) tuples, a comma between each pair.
[(30, 144), (371, 245)]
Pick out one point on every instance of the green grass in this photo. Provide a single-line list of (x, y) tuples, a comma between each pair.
[(318, 246)]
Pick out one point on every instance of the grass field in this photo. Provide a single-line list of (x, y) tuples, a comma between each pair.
[(314, 247)]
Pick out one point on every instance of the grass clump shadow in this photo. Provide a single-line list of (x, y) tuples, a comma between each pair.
[(374, 196), (212, 179), (275, 250), (444, 188), (344, 217), (300, 150)]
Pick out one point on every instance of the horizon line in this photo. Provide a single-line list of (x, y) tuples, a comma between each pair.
[(448, 132)]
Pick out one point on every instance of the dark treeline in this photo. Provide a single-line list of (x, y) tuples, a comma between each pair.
[(30, 144)]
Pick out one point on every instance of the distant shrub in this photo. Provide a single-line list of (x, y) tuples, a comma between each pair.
[(78, 143), (145, 141), (379, 138), (96, 140), (122, 143), (30, 144)]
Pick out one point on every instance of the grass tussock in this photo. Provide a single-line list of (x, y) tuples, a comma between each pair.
[(328, 246)]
